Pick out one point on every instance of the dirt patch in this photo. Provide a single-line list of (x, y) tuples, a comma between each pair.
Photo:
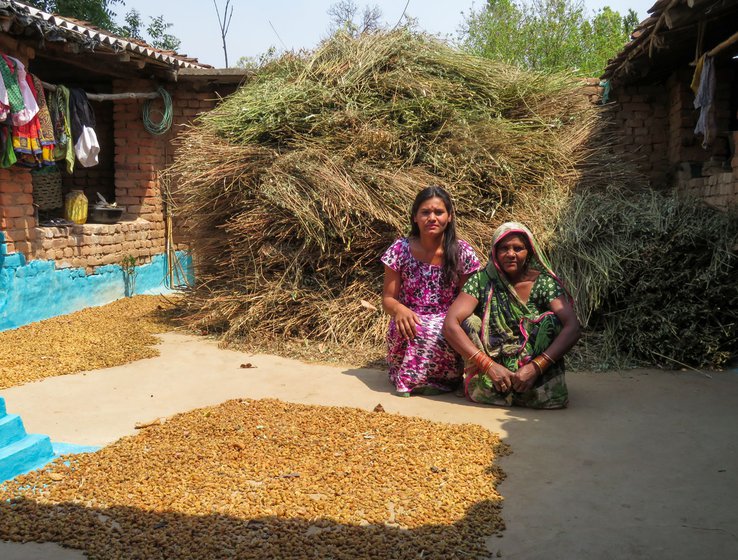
[(267, 479), (96, 337)]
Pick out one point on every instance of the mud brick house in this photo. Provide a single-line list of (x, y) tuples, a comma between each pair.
[(685, 50), (47, 269)]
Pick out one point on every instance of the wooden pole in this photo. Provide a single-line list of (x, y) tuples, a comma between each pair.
[(110, 96), (724, 45)]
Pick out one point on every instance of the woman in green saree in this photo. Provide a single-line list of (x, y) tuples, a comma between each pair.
[(513, 322)]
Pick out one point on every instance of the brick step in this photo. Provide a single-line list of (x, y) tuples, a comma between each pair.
[(11, 429), (31, 452)]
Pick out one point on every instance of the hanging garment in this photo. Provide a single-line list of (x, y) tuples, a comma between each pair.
[(46, 128), (4, 102), (7, 155), (10, 83), (27, 138), (697, 76), (59, 110), (86, 145), (29, 100), (80, 112), (706, 124)]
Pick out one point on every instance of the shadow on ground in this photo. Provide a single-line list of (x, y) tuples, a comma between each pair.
[(124, 532)]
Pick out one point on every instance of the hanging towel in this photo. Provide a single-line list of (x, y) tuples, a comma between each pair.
[(703, 101)]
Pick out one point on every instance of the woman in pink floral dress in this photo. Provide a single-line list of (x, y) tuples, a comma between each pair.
[(423, 273)]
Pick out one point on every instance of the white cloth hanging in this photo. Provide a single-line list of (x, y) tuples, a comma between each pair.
[(87, 147), (704, 101)]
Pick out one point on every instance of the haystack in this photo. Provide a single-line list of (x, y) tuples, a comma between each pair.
[(292, 187)]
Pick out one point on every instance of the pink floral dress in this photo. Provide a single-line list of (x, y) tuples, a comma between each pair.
[(427, 360)]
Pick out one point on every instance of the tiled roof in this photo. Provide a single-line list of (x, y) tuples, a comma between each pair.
[(94, 38)]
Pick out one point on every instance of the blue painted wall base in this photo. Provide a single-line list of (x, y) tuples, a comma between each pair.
[(37, 290)]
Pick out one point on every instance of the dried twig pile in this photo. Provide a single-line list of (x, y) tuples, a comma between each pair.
[(656, 277), (292, 188)]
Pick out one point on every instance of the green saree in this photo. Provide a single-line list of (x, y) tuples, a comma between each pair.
[(513, 332)]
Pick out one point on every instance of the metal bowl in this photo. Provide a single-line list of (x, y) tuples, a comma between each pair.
[(105, 214)]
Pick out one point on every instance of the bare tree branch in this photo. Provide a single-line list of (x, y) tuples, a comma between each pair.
[(225, 24)]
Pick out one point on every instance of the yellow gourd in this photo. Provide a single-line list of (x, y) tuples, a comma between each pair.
[(75, 207)]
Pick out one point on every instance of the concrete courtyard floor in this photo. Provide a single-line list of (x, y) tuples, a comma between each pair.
[(643, 465)]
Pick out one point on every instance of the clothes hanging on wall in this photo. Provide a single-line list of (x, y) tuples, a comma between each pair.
[(59, 110), (10, 82), (33, 142), (86, 146), (704, 101), (30, 107)]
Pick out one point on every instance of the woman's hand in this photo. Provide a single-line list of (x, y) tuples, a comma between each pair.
[(500, 376), (524, 378), (405, 320)]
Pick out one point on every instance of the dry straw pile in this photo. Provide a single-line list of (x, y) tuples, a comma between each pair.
[(293, 187)]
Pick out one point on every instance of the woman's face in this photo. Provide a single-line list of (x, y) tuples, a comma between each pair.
[(512, 253), (432, 217)]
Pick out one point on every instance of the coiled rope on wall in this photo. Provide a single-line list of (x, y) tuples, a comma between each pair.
[(166, 114)]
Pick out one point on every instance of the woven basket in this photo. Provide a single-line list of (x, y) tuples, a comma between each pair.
[(47, 189)]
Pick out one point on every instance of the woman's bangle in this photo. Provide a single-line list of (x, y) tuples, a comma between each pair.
[(470, 358), (538, 369), (541, 364), (549, 358)]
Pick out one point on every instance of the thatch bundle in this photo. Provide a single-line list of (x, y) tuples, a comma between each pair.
[(656, 277), (292, 188)]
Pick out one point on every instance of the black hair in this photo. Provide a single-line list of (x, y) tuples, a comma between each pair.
[(450, 244)]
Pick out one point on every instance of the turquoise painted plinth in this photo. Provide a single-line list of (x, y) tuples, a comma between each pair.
[(21, 452), (37, 290)]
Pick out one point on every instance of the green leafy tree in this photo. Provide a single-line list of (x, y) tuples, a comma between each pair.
[(98, 12), (547, 34), (155, 32)]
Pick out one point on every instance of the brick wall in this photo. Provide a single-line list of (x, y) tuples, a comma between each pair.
[(655, 125), (130, 162), (17, 221), (641, 120)]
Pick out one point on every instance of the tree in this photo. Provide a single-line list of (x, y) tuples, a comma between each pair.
[(225, 23), (100, 14), (97, 12), (156, 31), (344, 16), (547, 34)]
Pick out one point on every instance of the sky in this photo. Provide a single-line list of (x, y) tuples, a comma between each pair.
[(258, 25)]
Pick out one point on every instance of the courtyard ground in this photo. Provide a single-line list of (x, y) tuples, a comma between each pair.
[(642, 465)]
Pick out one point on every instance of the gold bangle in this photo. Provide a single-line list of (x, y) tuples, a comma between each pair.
[(537, 367), (549, 358), (542, 366), (470, 358)]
